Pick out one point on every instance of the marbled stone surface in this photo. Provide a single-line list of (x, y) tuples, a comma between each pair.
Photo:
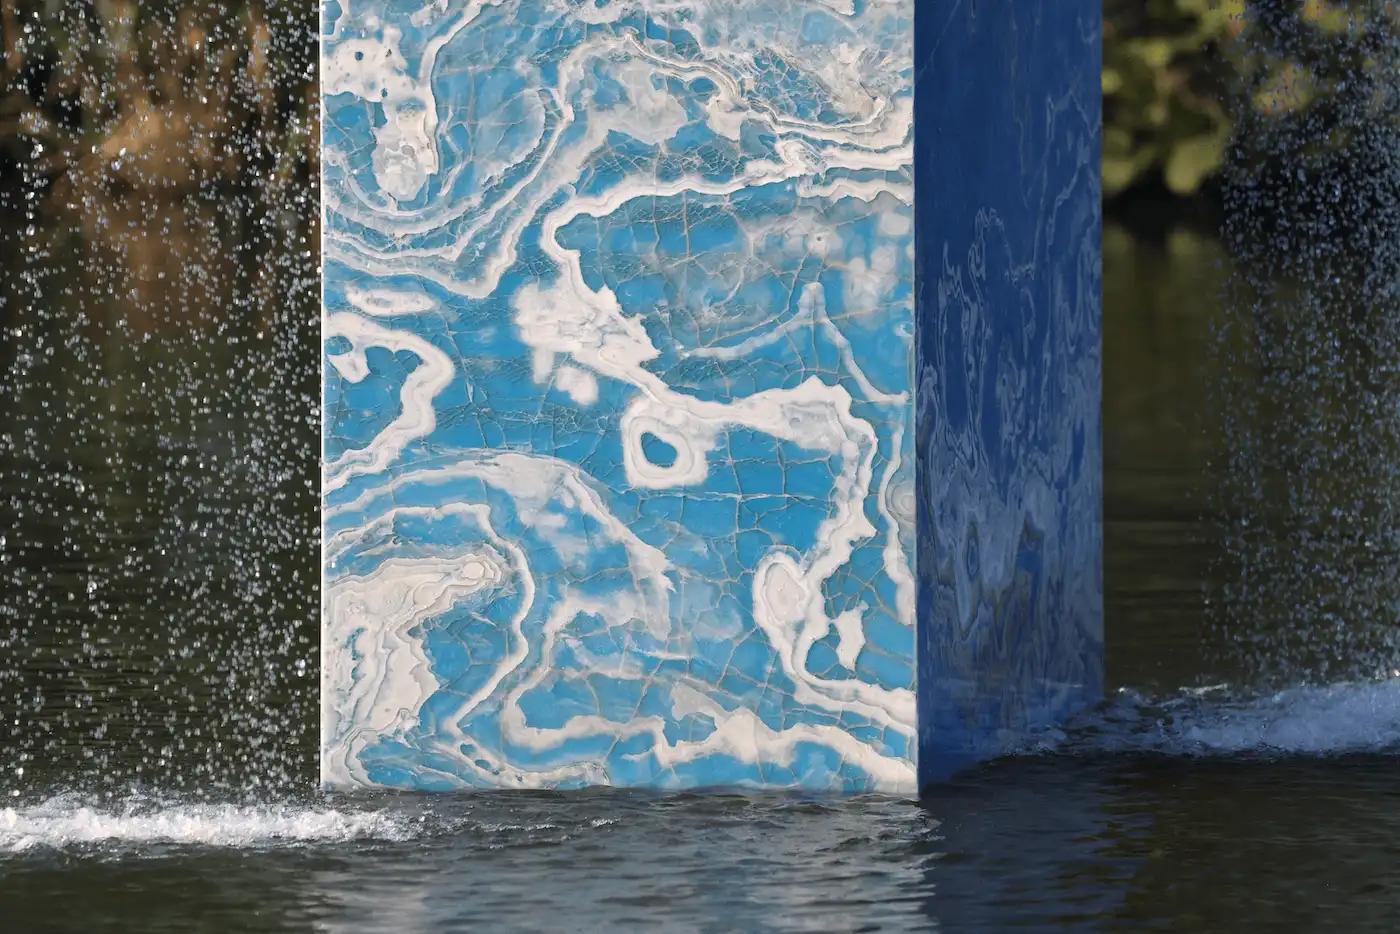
[(619, 337)]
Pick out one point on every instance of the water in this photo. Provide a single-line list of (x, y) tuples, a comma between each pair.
[(1184, 814), (158, 608)]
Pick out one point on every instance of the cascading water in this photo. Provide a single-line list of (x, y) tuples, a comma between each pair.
[(1310, 399), (158, 445)]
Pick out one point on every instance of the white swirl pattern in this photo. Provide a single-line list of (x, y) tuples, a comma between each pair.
[(619, 323)]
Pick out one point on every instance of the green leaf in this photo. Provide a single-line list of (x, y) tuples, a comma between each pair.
[(1191, 161)]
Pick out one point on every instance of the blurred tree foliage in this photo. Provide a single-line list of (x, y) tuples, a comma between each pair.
[(158, 95), (1181, 75), (175, 93), (1164, 92)]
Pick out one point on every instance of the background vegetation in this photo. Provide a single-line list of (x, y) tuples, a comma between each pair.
[(169, 99), (172, 95), (1181, 76)]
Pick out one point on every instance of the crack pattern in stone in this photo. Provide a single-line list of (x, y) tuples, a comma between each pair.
[(618, 481)]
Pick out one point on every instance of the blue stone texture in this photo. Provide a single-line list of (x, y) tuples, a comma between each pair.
[(619, 480), (1010, 582), (618, 427)]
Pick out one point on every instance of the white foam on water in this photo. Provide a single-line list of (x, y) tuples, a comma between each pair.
[(1326, 720), (67, 822)]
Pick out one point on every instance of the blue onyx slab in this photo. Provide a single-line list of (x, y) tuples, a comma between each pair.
[(697, 409)]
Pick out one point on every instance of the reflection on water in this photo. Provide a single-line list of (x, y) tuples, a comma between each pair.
[(1078, 842), (1161, 306)]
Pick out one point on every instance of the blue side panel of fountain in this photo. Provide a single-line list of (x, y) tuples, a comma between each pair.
[(1009, 372), (618, 424)]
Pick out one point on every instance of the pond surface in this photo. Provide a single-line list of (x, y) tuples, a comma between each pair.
[(1080, 842), (158, 629)]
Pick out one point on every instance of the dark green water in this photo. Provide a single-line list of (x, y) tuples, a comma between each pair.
[(158, 623), (1076, 844)]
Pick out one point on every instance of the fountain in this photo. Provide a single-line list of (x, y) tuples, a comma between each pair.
[(711, 393), (877, 551)]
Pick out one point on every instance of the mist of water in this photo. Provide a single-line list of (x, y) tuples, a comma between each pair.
[(1310, 502), (158, 372)]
